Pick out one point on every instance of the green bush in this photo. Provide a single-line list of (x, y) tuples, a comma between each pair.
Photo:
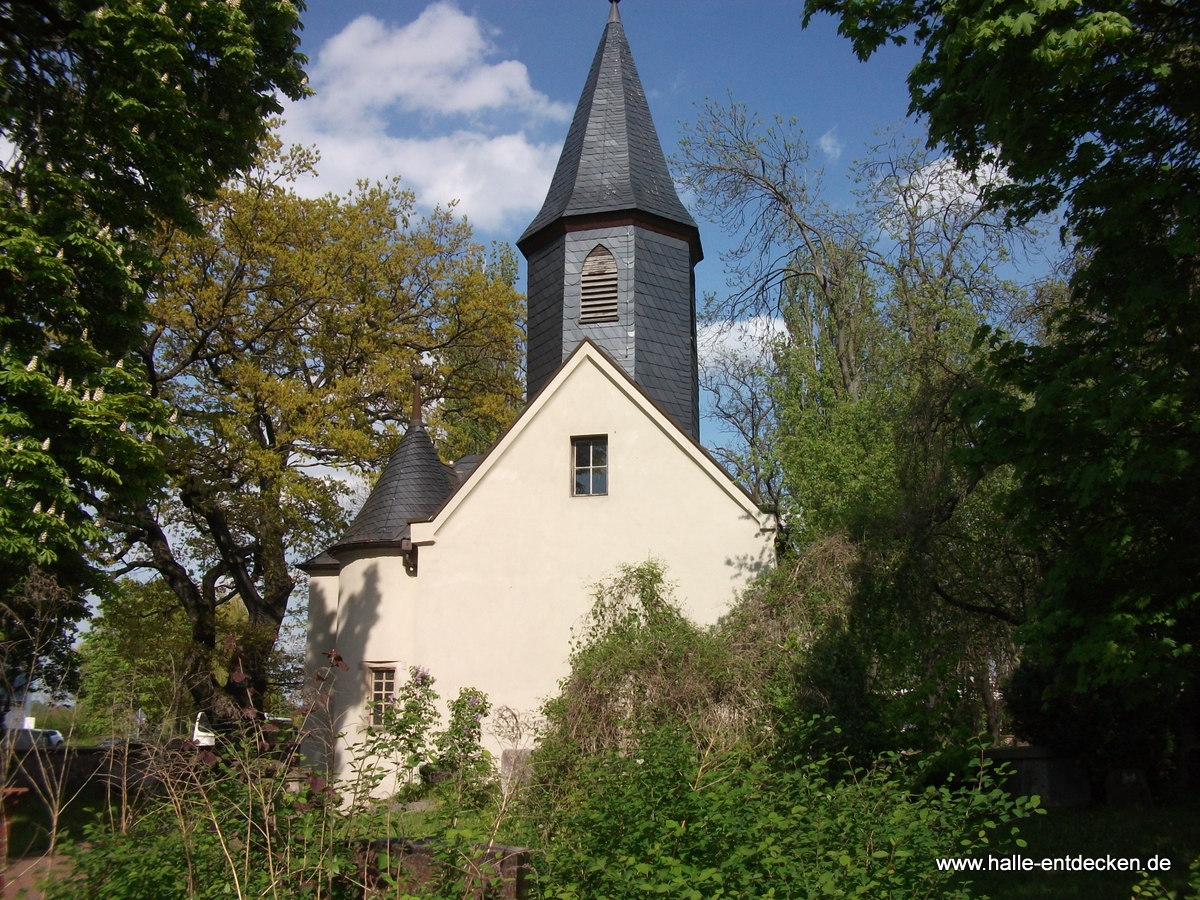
[(683, 763), (664, 818), (639, 664), (1153, 886), (245, 820)]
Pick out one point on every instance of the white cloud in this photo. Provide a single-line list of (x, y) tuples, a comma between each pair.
[(831, 145), (746, 341), (493, 178), (429, 102), (438, 64), (941, 186)]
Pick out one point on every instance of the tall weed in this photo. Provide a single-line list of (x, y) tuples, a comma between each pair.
[(246, 819)]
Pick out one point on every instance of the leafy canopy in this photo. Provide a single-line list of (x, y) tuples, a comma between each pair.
[(131, 686), (1093, 107), (114, 117), (874, 308)]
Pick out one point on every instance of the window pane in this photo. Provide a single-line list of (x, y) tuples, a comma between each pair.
[(590, 465)]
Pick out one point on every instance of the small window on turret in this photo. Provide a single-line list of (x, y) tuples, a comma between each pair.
[(598, 294), (383, 693)]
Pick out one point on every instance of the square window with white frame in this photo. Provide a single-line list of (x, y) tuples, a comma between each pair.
[(590, 465)]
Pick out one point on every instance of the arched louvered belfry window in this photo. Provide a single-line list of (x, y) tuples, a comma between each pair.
[(598, 297)]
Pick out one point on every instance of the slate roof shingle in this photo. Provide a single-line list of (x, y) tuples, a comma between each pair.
[(612, 159), (413, 485)]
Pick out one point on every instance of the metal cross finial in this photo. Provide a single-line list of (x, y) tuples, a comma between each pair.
[(417, 377)]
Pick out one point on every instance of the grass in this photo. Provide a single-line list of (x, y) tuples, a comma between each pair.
[(1171, 831)]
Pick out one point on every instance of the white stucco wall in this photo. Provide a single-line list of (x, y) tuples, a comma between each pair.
[(506, 567)]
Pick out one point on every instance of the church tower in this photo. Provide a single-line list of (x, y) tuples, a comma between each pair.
[(610, 254)]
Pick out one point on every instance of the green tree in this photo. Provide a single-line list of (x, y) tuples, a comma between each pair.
[(1092, 107), (285, 337), (737, 367), (131, 657), (877, 306), (38, 622), (113, 117)]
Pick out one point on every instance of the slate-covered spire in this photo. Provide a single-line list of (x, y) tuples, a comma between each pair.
[(611, 252), (612, 160), (413, 485)]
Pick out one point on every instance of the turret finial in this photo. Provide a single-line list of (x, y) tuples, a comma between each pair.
[(613, 14), (415, 418)]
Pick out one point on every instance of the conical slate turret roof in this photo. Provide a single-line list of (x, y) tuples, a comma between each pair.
[(414, 485), (612, 160)]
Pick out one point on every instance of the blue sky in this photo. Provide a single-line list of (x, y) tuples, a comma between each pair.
[(471, 101)]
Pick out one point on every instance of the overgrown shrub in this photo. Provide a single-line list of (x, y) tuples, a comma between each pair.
[(639, 664), (682, 762), (1152, 886), (828, 633), (245, 820), (664, 817)]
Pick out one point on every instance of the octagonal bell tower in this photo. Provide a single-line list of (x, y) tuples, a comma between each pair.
[(610, 255)]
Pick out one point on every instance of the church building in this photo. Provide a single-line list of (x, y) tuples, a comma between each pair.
[(480, 571)]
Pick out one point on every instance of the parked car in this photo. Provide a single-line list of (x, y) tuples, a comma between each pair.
[(29, 738)]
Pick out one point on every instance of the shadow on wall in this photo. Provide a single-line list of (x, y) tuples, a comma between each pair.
[(344, 625), (745, 567)]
